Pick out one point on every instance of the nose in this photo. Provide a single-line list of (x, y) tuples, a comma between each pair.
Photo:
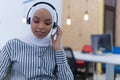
[(41, 25)]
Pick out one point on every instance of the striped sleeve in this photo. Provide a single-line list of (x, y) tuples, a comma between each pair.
[(63, 70), (4, 61)]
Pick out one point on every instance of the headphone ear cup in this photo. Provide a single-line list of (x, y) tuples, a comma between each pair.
[(28, 20), (54, 25)]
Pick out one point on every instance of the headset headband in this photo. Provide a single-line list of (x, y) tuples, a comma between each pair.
[(44, 3)]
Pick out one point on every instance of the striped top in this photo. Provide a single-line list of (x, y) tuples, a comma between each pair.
[(31, 62)]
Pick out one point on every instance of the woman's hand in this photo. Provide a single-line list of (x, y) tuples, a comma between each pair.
[(56, 43)]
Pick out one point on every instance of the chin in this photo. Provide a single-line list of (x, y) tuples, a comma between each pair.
[(39, 36)]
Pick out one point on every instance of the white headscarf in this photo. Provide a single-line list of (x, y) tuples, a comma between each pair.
[(31, 38)]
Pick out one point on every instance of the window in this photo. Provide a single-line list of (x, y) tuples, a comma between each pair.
[(109, 17)]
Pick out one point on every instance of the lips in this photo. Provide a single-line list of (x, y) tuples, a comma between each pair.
[(39, 33)]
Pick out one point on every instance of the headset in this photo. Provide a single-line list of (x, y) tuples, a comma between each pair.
[(28, 18)]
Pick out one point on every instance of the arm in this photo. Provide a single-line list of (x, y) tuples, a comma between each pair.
[(63, 70), (4, 62)]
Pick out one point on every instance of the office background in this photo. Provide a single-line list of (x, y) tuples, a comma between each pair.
[(78, 33)]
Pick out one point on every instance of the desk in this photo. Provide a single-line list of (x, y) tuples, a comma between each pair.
[(109, 59)]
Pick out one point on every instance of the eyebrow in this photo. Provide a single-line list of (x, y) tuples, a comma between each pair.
[(36, 17)]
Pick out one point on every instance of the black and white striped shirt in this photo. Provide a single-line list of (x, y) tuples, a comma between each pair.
[(31, 62)]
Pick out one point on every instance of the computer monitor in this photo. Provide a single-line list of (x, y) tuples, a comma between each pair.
[(102, 42)]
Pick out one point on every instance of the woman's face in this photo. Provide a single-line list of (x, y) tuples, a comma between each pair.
[(41, 23)]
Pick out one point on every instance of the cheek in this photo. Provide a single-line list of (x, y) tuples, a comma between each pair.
[(32, 27), (48, 29)]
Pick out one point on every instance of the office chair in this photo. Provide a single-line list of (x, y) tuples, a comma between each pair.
[(78, 75), (89, 66), (87, 49)]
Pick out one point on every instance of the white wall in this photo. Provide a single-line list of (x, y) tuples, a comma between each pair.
[(11, 14)]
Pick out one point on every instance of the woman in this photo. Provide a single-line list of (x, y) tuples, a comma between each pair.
[(37, 56)]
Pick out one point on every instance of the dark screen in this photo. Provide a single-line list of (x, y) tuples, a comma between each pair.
[(102, 42)]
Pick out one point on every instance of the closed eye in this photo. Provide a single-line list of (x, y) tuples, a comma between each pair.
[(36, 19), (48, 22)]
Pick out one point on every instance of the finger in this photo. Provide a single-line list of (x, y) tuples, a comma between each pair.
[(52, 38), (59, 36), (59, 31)]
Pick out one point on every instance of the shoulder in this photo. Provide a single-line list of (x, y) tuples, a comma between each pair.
[(12, 44), (8, 47), (11, 41)]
